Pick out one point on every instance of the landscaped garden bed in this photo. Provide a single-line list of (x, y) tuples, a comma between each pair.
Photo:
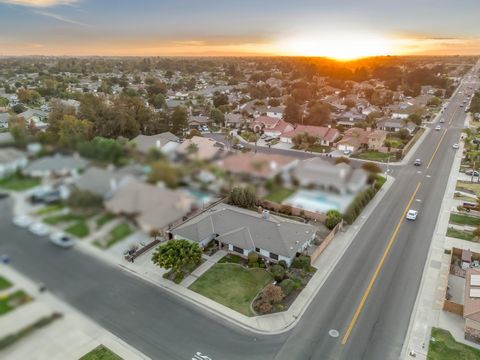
[(13, 300), (460, 234), (101, 353), (4, 283), (118, 233)]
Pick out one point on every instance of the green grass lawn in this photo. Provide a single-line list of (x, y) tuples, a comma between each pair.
[(18, 182), (380, 180), (279, 194), (230, 259), (446, 348), (464, 220), (119, 232), (57, 219), (103, 219), (232, 285), (374, 156), (464, 185), (4, 283), (101, 353), (79, 229), (49, 209), (464, 235), (316, 148), (12, 301)]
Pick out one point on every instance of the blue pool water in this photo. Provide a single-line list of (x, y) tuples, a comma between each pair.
[(318, 201)]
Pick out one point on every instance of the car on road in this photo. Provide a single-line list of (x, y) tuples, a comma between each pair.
[(438, 127), (239, 146), (417, 162), (442, 120), (62, 240), (22, 221), (412, 214), (471, 172), (455, 146), (347, 152), (39, 229)]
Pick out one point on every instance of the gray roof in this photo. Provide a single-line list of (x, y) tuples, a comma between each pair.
[(8, 155), (99, 181), (146, 142), (32, 112), (247, 230), (56, 162)]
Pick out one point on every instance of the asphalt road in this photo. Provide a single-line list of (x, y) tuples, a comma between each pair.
[(165, 327)]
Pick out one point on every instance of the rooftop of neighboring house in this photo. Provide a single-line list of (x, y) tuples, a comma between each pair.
[(153, 206), (272, 124), (257, 165), (8, 155), (322, 132), (28, 114), (57, 162), (233, 118), (144, 143), (102, 181), (247, 229), (207, 148), (471, 305)]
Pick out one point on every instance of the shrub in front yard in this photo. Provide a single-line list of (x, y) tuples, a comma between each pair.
[(333, 219), (253, 259), (271, 294), (278, 272), (287, 286), (301, 262), (177, 255)]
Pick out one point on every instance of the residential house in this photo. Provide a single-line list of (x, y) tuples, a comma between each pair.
[(276, 111), (103, 182), (270, 126), (320, 174), (11, 160), (37, 117), (243, 231), (195, 122), (376, 139), (356, 139), (261, 166), (165, 142), (58, 164), (200, 148), (325, 135), (233, 120), (395, 125), (151, 207), (471, 305), (404, 110)]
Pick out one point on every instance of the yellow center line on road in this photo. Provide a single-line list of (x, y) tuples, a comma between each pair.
[(436, 149), (377, 270)]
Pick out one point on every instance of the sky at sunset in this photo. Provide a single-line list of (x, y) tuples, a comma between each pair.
[(341, 29)]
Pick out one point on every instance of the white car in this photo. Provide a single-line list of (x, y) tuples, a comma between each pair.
[(412, 214), (438, 127), (62, 240), (455, 146), (22, 221), (39, 229), (347, 152)]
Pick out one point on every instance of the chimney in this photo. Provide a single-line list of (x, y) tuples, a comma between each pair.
[(266, 214)]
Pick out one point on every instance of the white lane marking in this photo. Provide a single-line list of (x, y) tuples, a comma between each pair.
[(418, 200), (419, 172), (429, 176), (199, 356)]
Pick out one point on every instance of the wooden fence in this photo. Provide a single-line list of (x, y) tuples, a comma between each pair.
[(328, 239)]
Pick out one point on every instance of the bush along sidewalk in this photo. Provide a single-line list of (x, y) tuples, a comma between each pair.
[(362, 199)]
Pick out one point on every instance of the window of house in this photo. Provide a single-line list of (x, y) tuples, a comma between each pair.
[(257, 250), (273, 256), (238, 250)]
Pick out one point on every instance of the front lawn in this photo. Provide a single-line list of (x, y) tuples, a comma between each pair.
[(464, 220), (100, 353), (459, 234), (472, 187), (4, 283), (103, 219), (57, 219), (322, 149), (13, 300), (374, 156), (118, 233), (49, 209), (444, 347), (278, 194), (232, 285), (17, 182), (79, 229)]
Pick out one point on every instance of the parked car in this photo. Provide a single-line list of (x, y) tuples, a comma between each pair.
[(471, 172), (239, 146), (412, 214), (442, 120), (39, 229), (347, 152), (22, 221), (62, 240), (417, 162), (455, 146), (46, 197), (438, 127), (469, 205)]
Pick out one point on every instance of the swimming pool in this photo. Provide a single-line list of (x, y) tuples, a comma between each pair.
[(202, 198), (318, 201)]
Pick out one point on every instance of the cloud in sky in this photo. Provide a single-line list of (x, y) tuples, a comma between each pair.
[(39, 3), (59, 17)]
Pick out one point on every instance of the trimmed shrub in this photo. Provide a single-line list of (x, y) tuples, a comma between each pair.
[(252, 259), (287, 286), (333, 218), (301, 262), (278, 272), (283, 264)]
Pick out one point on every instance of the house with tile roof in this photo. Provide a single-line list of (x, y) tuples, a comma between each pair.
[(271, 126), (325, 135)]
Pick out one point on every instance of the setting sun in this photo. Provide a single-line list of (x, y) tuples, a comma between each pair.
[(336, 46)]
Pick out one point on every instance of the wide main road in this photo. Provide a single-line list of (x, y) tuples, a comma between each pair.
[(368, 298)]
